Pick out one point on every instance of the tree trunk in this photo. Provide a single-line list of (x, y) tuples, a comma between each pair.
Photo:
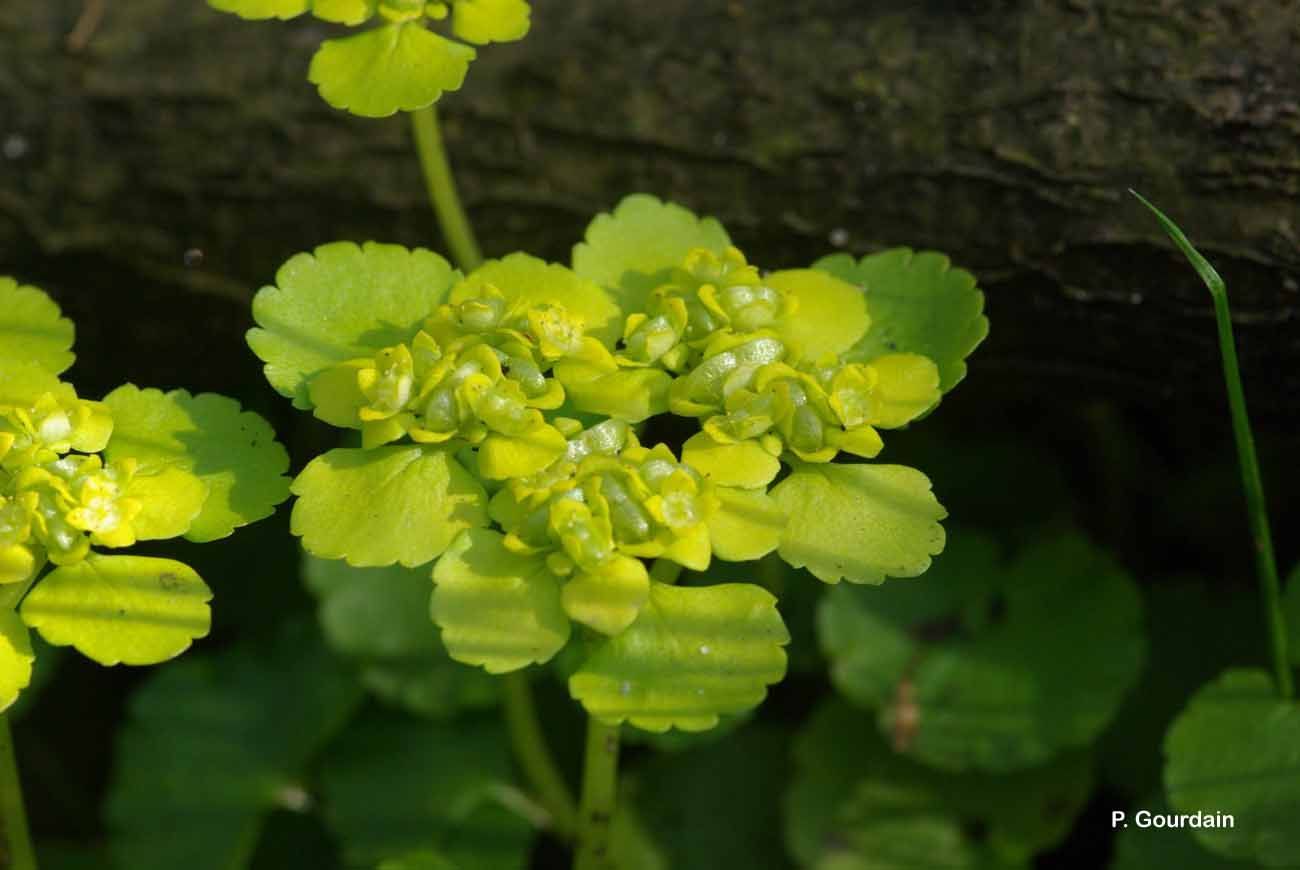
[(1003, 133)]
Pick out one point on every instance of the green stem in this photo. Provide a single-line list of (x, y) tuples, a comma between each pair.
[(534, 756), (442, 190), (1252, 482), (16, 851), (599, 797)]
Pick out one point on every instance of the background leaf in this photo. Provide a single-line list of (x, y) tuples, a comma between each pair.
[(860, 522), (395, 784), (391, 504), (918, 304), (379, 618), (130, 610), (855, 804), (633, 249), (232, 451), (1236, 750), (990, 666), (692, 654), (214, 743), (342, 302), (387, 69), (32, 329)]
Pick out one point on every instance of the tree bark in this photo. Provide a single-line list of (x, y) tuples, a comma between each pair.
[(182, 151)]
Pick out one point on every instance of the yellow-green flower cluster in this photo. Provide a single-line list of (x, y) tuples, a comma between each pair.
[(54, 503), (609, 503), (477, 372)]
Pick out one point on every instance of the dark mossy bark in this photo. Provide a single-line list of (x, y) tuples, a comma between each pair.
[(1004, 133)]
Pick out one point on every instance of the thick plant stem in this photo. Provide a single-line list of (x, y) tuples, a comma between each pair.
[(442, 190), (599, 797), (534, 756), (1252, 482), (16, 851)]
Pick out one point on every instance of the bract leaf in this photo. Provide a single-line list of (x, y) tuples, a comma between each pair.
[(831, 314), (744, 463), (130, 610), (378, 617), (339, 303), (496, 608), (350, 12), (918, 304), (16, 658), (171, 500), (391, 504), (441, 785), (533, 281), (32, 329), (692, 654), (395, 67), (633, 249), (975, 668), (22, 383), (260, 9), (232, 451), (855, 804), (860, 523), (214, 743), (1233, 750), (484, 21), (747, 524)]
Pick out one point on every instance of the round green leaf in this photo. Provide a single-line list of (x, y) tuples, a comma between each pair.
[(484, 21), (391, 504), (171, 500), (213, 744), (350, 12), (831, 315), (32, 329), (918, 304), (990, 666), (496, 608), (394, 784), (860, 523), (339, 303), (232, 451), (634, 249), (535, 282), (1236, 750), (746, 526), (129, 610), (378, 617), (260, 9), (16, 658), (693, 654), (856, 804), (395, 67)]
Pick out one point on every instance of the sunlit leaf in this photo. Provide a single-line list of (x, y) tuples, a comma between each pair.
[(860, 523), (339, 303), (986, 665), (484, 21), (632, 250), (378, 617), (693, 654), (831, 314), (32, 329), (394, 784), (747, 524), (16, 658), (215, 743), (918, 304), (401, 66), (351, 12), (856, 805), (496, 608), (130, 610), (1235, 750), (391, 504), (232, 451)]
